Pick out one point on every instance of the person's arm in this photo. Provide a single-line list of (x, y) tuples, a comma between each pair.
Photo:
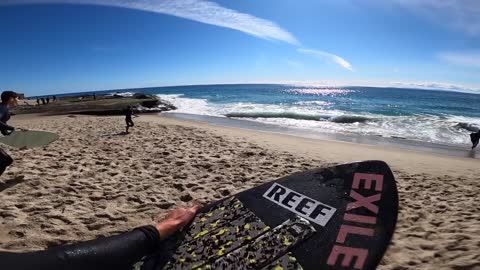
[(6, 129), (114, 252), (4, 126)]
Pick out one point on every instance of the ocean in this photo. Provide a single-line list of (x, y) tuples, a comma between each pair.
[(432, 116)]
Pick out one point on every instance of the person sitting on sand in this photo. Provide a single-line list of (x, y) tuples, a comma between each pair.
[(9, 99), (475, 138), (128, 117), (114, 252)]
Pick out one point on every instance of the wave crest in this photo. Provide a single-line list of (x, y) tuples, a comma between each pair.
[(341, 119)]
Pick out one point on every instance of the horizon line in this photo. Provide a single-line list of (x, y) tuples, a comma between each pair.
[(332, 85)]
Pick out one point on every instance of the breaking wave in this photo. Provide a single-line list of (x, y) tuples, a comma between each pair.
[(347, 119)]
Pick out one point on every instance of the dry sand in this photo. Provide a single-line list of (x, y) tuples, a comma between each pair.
[(95, 181)]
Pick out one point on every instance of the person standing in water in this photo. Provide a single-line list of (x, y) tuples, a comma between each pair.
[(475, 138), (128, 118), (9, 100)]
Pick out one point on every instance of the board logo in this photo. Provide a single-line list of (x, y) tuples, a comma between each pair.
[(300, 204), (358, 224)]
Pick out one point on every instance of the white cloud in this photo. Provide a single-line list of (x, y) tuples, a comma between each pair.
[(435, 86), (326, 55), (465, 58), (463, 15), (196, 10)]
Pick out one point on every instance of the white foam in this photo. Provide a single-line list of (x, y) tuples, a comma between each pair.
[(123, 94), (429, 128), (190, 105)]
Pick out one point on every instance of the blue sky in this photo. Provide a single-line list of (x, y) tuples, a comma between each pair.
[(57, 46)]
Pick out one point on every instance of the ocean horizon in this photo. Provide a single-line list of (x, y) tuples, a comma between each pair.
[(432, 116)]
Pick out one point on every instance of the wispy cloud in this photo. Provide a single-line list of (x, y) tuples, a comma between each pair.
[(197, 10), (329, 56), (463, 15), (465, 58)]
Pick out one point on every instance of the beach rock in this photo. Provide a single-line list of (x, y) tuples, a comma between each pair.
[(141, 96), (155, 102), (150, 103)]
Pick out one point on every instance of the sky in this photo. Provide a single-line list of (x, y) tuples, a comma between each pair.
[(61, 46)]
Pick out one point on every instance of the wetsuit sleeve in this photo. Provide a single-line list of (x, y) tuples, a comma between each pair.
[(3, 125), (114, 252)]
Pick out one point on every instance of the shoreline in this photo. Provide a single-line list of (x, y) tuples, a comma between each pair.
[(379, 141), (334, 151)]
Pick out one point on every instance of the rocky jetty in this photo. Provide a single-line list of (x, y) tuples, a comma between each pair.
[(97, 105)]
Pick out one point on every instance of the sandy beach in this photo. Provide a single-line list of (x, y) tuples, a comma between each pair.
[(96, 181)]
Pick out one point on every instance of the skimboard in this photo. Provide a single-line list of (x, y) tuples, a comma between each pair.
[(340, 217), (29, 139)]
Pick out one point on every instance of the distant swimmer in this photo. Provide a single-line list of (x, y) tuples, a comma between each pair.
[(128, 117), (475, 137)]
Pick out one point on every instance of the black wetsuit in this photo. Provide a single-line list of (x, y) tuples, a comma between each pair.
[(128, 117), (115, 252), (475, 138), (5, 159), (4, 117)]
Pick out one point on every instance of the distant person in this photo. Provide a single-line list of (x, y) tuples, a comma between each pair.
[(38, 101), (128, 117), (9, 100), (475, 138), (43, 100), (54, 98), (48, 100), (94, 97)]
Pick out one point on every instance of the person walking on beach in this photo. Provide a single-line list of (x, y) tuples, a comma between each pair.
[(128, 118), (475, 138), (9, 99)]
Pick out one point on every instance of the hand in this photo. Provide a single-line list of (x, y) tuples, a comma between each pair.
[(176, 220)]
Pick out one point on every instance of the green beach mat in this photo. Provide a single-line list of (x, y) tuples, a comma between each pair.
[(29, 139)]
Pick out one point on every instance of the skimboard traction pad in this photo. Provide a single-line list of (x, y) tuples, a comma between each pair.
[(341, 217)]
